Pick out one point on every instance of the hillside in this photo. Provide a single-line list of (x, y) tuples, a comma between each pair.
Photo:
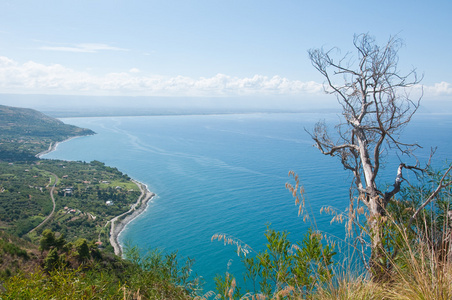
[(26, 132), (80, 191)]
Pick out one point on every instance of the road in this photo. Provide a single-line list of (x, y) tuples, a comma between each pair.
[(116, 227), (53, 201)]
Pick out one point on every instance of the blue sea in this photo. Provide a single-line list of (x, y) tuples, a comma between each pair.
[(227, 174)]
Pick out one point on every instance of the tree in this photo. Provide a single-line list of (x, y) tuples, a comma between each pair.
[(376, 106), (81, 246), (52, 259), (47, 240)]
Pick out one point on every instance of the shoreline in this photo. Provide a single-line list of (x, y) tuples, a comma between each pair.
[(136, 209), (53, 146), (118, 226)]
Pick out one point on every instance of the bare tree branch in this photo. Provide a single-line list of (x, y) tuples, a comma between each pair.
[(376, 106), (441, 185)]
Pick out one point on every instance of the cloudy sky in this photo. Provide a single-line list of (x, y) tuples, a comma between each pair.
[(207, 48)]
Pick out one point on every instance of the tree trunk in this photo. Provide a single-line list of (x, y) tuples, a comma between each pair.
[(377, 259)]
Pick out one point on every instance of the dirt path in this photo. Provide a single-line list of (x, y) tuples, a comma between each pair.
[(53, 201)]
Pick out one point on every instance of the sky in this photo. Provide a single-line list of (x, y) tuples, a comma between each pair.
[(208, 48)]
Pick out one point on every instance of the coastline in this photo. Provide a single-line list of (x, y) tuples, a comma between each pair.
[(53, 146), (137, 209)]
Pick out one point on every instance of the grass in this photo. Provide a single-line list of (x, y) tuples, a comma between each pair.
[(419, 280), (351, 288), (417, 262), (421, 271)]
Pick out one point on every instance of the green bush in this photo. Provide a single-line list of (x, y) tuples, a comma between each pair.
[(283, 268)]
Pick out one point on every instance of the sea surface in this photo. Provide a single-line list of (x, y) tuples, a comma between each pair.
[(227, 174)]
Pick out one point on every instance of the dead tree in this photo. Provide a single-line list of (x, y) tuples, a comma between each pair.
[(376, 105)]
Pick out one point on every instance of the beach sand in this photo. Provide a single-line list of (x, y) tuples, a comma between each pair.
[(53, 146), (139, 207)]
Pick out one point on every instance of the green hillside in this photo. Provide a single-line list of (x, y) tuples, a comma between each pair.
[(26, 132)]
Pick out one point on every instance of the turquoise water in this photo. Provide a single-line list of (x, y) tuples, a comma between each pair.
[(227, 174)]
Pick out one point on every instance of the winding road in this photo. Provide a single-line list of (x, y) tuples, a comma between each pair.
[(53, 201)]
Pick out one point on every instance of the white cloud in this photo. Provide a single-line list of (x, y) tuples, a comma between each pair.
[(32, 77), (436, 91), (84, 48), (4, 62), (439, 89)]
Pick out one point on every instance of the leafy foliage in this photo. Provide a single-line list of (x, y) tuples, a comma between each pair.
[(52, 260), (82, 250), (284, 268), (82, 271)]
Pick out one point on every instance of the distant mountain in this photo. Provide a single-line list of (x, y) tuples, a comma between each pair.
[(19, 122), (26, 132)]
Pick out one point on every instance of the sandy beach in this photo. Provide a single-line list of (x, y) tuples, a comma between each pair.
[(136, 209), (53, 146)]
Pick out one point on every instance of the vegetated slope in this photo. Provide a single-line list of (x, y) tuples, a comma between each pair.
[(78, 197), (27, 122), (27, 183), (16, 255), (81, 193), (26, 132), (58, 269)]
